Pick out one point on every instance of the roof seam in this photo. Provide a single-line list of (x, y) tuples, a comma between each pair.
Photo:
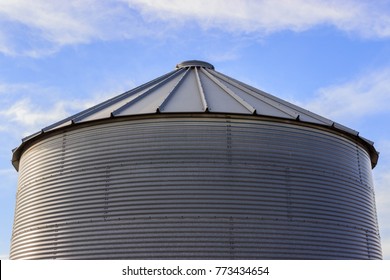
[(90, 111), (123, 96), (247, 90), (242, 102), (139, 97), (172, 92), (201, 91), (266, 95)]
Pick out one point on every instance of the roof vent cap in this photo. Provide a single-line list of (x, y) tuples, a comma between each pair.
[(194, 63)]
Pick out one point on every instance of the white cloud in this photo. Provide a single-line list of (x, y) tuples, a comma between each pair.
[(24, 107), (61, 22), (27, 108), (365, 95), (267, 16), (27, 113), (40, 27)]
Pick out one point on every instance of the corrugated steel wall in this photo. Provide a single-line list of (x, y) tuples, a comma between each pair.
[(196, 188)]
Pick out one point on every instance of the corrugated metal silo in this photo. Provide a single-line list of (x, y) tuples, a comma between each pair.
[(195, 165)]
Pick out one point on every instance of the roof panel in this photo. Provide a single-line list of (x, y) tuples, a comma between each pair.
[(262, 107), (287, 108), (150, 100), (186, 97), (217, 98), (106, 111)]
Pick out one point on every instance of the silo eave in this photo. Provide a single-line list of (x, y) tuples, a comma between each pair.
[(16, 156), (369, 145)]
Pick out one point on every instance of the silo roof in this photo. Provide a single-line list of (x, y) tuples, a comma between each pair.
[(196, 87)]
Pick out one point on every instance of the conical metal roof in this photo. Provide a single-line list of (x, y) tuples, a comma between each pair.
[(196, 87)]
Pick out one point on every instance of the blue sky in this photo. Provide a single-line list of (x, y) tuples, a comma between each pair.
[(59, 57)]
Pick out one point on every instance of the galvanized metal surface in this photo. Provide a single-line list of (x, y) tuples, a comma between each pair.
[(194, 86), (195, 187)]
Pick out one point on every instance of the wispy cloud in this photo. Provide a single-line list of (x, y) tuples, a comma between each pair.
[(267, 16), (363, 96), (23, 107), (40, 27), (25, 112), (27, 108)]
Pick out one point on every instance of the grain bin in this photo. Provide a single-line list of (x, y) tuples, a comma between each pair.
[(195, 165)]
